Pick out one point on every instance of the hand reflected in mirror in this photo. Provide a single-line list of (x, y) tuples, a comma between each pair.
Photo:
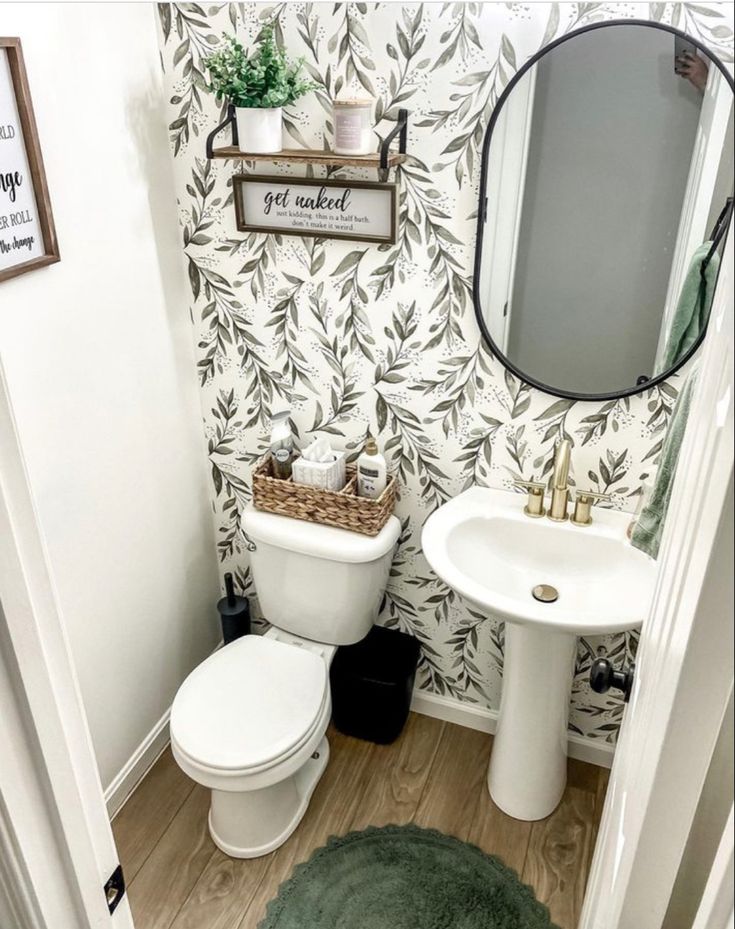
[(694, 69)]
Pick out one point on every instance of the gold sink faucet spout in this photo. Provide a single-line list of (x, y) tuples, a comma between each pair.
[(559, 483)]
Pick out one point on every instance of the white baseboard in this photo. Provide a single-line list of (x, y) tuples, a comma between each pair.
[(137, 766), (140, 763), (593, 751)]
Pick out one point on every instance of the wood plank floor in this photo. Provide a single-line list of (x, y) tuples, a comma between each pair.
[(434, 775)]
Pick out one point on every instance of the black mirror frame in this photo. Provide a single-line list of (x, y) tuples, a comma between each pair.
[(482, 211)]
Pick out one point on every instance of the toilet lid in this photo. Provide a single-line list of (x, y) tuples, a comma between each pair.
[(248, 704)]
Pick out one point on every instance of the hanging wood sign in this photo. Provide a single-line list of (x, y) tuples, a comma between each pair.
[(331, 209), (27, 234)]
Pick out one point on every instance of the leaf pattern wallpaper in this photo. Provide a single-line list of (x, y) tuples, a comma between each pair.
[(354, 337)]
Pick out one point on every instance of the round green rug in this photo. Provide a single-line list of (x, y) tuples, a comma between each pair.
[(403, 877)]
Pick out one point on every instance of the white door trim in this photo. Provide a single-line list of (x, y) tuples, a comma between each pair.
[(18, 901), (684, 669), (39, 680), (716, 908)]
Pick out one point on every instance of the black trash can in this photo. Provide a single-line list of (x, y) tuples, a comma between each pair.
[(372, 683)]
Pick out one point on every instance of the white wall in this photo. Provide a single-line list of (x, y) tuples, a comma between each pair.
[(98, 357)]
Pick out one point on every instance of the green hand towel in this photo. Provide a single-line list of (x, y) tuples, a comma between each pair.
[(647, 532), (692, 310)]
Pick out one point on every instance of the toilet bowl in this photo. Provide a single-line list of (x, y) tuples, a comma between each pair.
[(250, 721)]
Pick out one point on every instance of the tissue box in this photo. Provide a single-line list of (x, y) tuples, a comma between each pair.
[(327, 475)]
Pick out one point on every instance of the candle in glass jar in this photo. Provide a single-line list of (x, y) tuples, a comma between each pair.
[(353, 129)]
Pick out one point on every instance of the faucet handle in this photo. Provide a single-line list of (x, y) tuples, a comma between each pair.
[(535, 502), (583, 502), (592, 495)]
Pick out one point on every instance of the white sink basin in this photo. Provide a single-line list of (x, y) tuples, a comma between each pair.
[(483, 546)]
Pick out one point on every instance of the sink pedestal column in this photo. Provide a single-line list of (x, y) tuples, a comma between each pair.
[(528, 765)]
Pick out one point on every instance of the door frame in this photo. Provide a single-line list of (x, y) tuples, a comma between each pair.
[(51, 784), (684, 668), (503, 213), (716, 910)]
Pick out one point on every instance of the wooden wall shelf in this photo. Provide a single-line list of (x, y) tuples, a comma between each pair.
[(383, 160), (311, 156)]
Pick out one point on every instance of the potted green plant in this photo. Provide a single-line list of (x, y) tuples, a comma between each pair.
[(259, 86)]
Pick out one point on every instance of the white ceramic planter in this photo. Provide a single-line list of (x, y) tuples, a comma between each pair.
[(259, 129)]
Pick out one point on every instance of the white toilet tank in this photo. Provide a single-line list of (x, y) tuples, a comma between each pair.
[(317, 582)]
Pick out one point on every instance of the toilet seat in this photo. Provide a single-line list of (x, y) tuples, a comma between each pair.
[(219, 777), (249, 707)]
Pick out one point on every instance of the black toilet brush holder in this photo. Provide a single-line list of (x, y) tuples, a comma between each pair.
[(234, 612)]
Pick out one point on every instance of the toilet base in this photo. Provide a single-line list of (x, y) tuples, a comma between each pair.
[(252, 823)]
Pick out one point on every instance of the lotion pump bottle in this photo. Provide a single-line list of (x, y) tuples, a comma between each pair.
[(372, 471)]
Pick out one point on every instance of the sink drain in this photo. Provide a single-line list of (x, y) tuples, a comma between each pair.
[(545, 593)]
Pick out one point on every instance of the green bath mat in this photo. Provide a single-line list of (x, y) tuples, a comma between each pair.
[(403, 877)]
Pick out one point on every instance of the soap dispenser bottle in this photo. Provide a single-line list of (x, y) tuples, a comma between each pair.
[(282, 445), (372, 471)]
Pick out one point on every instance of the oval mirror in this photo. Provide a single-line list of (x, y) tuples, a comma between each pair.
[(606, 192)]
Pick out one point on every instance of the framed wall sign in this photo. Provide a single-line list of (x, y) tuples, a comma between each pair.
[(332, 209), (27, 233)]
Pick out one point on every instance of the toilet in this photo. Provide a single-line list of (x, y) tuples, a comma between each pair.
[(250, 722)]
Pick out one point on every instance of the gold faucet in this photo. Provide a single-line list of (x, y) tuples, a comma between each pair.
[(559, 483)]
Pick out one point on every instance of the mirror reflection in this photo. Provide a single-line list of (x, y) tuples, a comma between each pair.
[(609, 166)]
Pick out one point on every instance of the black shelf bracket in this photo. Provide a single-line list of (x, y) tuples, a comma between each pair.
[(401, 130), (229, 121)]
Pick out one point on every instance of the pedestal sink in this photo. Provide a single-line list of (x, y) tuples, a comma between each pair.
[(483, 546)]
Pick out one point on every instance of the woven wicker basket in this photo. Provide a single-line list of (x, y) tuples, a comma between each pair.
[(342, 509)]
